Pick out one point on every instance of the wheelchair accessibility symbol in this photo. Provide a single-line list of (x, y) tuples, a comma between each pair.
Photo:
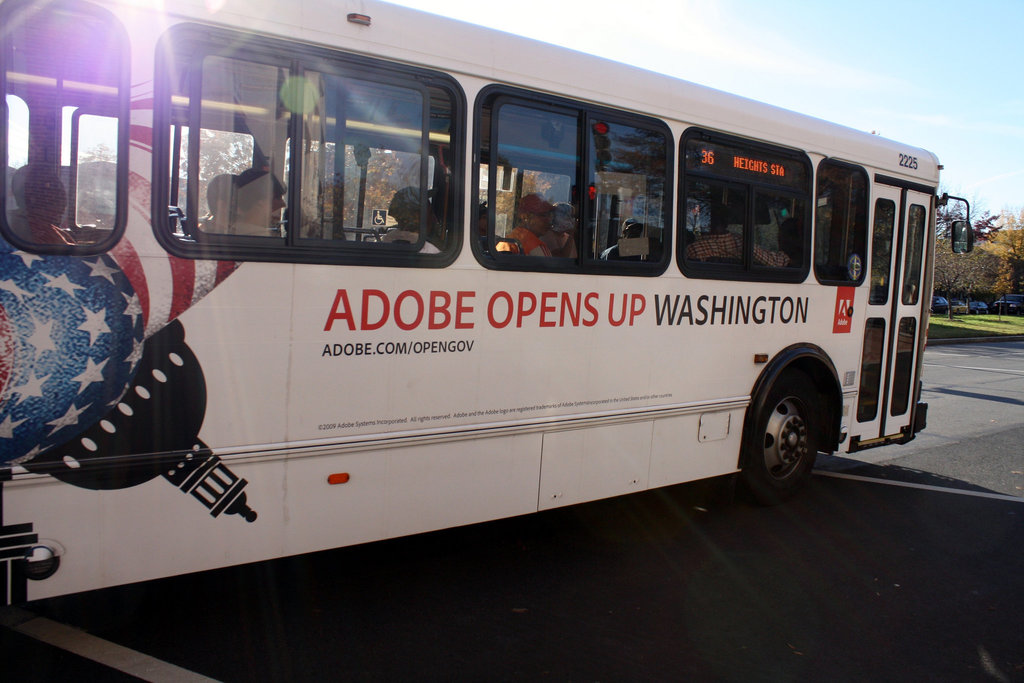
[(379, 218)]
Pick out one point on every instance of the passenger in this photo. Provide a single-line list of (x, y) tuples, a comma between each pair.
[(219, 199), (719, 245), (534, 220), (632, 244), (561, 238), (405, 209), (767, 257), (258, 200), (42, 203)]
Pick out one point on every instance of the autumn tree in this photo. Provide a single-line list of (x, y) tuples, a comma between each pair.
[(1008, 246)]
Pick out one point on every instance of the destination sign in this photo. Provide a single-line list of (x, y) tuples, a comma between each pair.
[(733, 161)]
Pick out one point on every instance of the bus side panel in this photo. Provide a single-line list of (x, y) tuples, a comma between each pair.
[(152, 530), (588, 464), (386, 493), (693, 447)]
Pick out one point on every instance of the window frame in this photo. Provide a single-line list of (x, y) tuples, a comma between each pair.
[(495, 96), (198, 42), (118, 34), (866, 229), (747, 270)]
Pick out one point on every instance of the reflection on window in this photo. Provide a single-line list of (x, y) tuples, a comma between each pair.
[(871, 369), (95, 169), (366, 162), (376, 191), (536, 157), (902, 380), (881, 251), (65, 118), (627, 182), (746, 210), (841, 223), (534, 161), (914, 252), (238, 167), (715, 217), (17, 132)]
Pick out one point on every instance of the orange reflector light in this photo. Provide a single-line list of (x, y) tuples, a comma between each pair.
[(361, 19), (760, 358), (338, 478)]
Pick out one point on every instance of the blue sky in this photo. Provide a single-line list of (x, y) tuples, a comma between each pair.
[(945, 76)]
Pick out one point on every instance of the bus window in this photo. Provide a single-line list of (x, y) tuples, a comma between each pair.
[(906, 344), (715, 214), (912, 263), (534, 159), (238, 149), (94, 170), (628, 165), (65, 127), (871, 369), (536, 155), (841, 223), (746, 210), (321, 166), (367, 180), (881, 251)]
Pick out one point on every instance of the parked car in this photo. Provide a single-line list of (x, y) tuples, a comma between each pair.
[(940, 305), (977, 307), (958, 306), (1008, 303)]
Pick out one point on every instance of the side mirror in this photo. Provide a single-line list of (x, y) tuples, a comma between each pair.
[(963, 237)]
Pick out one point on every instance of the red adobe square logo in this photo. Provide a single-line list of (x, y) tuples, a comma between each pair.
[(843, 322)]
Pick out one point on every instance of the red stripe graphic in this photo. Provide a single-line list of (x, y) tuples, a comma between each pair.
[(7, 346), (225, 268), (142, 135), (183, 275), (125, 255)]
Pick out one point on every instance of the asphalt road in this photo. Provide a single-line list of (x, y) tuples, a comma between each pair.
[(905, 563), (975, 426)]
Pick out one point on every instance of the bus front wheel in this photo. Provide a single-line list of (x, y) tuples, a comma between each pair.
[(781, 446)]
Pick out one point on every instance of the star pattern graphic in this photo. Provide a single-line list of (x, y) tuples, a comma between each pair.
[(75, 327)]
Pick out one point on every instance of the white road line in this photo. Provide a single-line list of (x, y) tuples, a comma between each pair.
[(972, 367), (97, 649), (924, 487)]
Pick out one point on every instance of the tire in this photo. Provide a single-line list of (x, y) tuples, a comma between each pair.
[(782, 442)]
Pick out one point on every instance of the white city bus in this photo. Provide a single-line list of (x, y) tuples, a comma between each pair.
[(282, 277)]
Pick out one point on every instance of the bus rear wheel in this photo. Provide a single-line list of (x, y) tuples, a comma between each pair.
[(782, 445)]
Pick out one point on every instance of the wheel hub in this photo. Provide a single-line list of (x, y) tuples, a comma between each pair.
[(786, 439)]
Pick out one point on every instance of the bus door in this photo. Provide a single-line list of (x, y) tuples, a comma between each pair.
[(889, 372)]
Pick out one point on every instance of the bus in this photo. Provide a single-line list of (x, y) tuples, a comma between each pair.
[(277, 278)]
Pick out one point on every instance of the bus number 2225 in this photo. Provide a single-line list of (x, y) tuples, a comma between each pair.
[(907, 161)]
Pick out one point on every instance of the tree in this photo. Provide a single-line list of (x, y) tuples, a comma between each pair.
[(969, 275), (983, 223), (1008, 246), (972, 274)]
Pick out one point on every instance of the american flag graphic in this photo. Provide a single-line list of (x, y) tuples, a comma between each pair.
[(71, 335)]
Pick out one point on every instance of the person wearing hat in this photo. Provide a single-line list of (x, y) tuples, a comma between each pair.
[(404, 208), (561, 239), (534, 220)]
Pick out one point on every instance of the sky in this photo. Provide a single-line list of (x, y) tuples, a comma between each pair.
[(946, 76)]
